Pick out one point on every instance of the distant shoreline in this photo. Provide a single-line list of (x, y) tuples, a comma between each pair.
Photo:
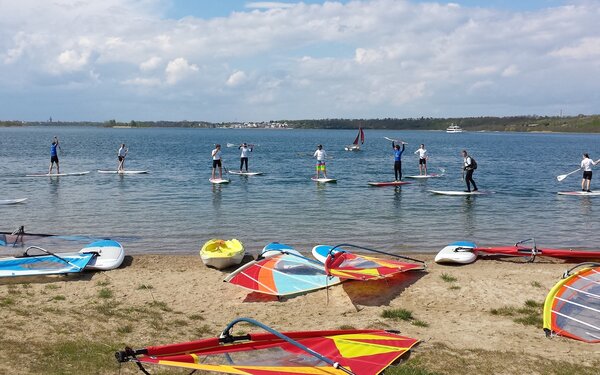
[(526, 124)]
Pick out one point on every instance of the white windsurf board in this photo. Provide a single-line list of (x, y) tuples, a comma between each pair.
[(122, 172), (323, 180), (579, 193), (457, 252), (245, 173), (458, 192), (218, 180), (12, 201), (57, 174), (424, 176)]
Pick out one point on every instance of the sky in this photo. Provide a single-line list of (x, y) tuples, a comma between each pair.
[(236, 60)]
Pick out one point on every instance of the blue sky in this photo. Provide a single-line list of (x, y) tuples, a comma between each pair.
[(241, 60)]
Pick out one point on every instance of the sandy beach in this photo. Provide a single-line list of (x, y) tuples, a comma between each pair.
[(483, 318)]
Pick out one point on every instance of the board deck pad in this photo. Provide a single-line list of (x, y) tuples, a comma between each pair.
[(389, 183)]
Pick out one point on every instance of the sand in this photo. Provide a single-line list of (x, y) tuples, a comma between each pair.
[(160, 299)]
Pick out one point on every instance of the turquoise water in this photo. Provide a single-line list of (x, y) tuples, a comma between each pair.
[(175, 209)]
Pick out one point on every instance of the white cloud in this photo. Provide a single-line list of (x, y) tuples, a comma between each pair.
[(360, 58), (236, 78), (178, 70), (150, 64)]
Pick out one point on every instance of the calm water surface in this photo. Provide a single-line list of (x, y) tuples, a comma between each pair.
[(175, 209)]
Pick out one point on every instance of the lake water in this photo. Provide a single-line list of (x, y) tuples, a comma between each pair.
[(175, 209)]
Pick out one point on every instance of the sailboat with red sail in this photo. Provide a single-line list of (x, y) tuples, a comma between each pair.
[(355, 146)]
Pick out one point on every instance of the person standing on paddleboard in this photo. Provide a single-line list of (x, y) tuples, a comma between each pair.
[(320, 154), (422, 160), (244, 157), (54, 155), (121, 154), (469, 165), (397, 160), (216, 157), (586, 165)]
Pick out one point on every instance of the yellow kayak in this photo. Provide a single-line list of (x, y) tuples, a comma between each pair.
[(221, 254)]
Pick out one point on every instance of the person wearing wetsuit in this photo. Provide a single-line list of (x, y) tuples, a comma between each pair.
[(244, 157), (397, 160), (468, 168), (586, 165), (54, 155)]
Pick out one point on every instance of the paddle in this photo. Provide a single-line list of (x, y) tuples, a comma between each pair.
[(563, 176)]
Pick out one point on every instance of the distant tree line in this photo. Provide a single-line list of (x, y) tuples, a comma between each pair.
[(580, 123)]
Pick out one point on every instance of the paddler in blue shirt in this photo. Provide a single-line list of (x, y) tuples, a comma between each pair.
[(54, 155), (397, 160)]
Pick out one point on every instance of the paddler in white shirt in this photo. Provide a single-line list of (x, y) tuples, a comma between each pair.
[(422, 160), (216, 157), (586, 165), (244, 156), (121, 154), (320, 154)]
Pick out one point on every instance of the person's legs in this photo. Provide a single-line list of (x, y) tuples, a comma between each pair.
[(397, 172), (425, 167)]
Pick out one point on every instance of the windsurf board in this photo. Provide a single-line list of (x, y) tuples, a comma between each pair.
[(218, 180), (245, 173), (432, 175), (321, 252), (12, 201), (323, 180), (580, 193), (110, 255), (457, 252), (458, 192), (389, 183), (122, 172), (57, 174), (275, 248)]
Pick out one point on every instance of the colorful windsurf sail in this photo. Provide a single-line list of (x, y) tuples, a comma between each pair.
[(44, 264), (341, 263), (572, 308), (343, 352), (282, 273)]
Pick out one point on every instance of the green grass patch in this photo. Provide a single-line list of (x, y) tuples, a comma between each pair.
[(203, 330), (128, 328), (145, 287), (454, 287), (160, 305), (397, 314), (75, 357), (448, 278), (59, 297), (7, 301), (536, 284), (180, 323), (530, 314), (420, 323), (103, 283), (345, 327), (105, 293), (51, 287)]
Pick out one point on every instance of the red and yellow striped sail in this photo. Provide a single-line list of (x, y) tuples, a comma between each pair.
[(365, 352), (347, 265)]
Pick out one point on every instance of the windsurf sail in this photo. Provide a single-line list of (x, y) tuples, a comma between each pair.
[(572, 308), (343, 352), (519, 249), (47, 263), (282, 273), (341, 263)]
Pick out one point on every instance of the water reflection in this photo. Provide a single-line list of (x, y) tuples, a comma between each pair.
[(468, 215)]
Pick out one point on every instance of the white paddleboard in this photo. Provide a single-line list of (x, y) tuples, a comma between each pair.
[(58, 174), (457, 252), (579, 193), (122, 172), (245, 173), (323, 180), (433, 175), (218, 180), (12, 201), (110, 255), (457, 192), (276, 248)]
